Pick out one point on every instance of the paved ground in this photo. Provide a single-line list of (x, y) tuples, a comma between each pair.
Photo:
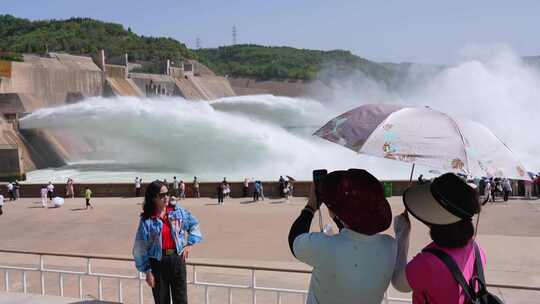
[(242, 232)]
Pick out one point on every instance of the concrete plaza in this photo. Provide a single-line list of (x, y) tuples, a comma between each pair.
[(246, 233)]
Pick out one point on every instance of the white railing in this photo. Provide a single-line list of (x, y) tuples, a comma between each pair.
[(253, 287)]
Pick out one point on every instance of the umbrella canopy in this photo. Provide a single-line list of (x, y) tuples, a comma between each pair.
[(425, 137)]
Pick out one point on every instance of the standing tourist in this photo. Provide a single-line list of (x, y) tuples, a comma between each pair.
[(175, 186), (220, 193), (245, 188), (69, 188), (261, 193), (291, 185), (44, 195), (1, 203), (50, 191), (11, 191), (88, 196), (487, 192), (507, 188), (196, 192), (286, 190), (355, 265), (446, 206), (138, 182), (226, 188), (256, 191), (281, 185), (529, 188), (163, 242), (16, 188), (182, 190)]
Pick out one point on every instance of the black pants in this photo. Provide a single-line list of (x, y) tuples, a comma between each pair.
[(170, 277), (506, 194), (245, 191), (88, 203), (220, 198), (137, 192)]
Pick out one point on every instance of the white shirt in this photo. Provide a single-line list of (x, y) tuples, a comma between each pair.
[(1, 200), (175, 184), (348, 267), (44, 192), (50, 188), (10, 186)]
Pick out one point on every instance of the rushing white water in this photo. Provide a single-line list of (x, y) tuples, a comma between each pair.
[(162, 137), (264, 136)]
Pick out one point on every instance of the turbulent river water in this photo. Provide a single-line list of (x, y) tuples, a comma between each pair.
[(265, 136)]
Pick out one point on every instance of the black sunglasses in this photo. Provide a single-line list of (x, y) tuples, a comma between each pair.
[(163, 195)]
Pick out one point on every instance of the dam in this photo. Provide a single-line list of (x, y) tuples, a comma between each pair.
[(55, 79)]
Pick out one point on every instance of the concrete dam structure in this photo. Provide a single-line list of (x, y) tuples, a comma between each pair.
[(58, 79)]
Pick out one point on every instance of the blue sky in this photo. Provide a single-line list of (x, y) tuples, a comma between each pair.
[(384, 30)]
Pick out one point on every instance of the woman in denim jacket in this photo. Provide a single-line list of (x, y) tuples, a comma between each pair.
[(161, 248)]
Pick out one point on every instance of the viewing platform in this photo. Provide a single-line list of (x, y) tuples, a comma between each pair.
[(244, 252)]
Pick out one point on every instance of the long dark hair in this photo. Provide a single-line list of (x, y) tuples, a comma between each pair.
[(149, 205), (455, 235)]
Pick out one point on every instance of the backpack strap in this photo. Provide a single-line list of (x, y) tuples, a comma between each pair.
[(478, 280), (454, 269), (478, 264)]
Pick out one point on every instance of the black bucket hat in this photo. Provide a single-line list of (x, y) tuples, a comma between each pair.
[(446, 200)]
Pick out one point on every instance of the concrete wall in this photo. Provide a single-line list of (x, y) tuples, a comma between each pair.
[(10, 139), (156, 85), (10, 163), (213, 87), (292, 88), (118, 84), (188, 90), (50, 80), (271, 189)]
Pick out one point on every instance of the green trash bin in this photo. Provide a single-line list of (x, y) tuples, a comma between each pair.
[(387, 189)]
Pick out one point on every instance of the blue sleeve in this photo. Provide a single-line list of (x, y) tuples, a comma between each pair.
[(141, 247), (191, 225)]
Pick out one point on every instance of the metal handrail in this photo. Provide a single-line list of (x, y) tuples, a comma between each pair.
[(253, 286), (126, 259)]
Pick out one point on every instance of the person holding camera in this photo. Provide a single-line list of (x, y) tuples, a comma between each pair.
[(356, 265), (164, 238)]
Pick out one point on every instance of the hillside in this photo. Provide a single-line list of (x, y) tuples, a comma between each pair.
[(263, 62), (84, 36)]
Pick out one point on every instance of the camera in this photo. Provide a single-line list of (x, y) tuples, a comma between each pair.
[(318, 179)]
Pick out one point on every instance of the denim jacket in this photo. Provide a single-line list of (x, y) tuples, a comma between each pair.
[(148, 238)]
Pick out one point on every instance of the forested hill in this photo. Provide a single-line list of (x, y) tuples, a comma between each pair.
[(265, 62), (84, 36)]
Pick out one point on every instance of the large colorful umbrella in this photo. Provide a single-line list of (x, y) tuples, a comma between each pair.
[(423, 136)]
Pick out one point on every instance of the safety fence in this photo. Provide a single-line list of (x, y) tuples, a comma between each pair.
[(119, 281)]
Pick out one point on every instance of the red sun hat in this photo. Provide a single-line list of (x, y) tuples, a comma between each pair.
[(357, 198)]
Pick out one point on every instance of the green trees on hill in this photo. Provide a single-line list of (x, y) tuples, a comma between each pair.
[(85, 36), (286, 62)]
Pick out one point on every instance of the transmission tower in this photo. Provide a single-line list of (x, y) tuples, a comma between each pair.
[(198, 43), (234, 33)]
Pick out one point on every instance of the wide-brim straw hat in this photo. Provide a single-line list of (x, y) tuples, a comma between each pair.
[(446, 200)]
